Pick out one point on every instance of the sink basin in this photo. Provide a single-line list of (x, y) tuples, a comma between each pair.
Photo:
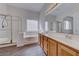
[(73, 37), (57, 34), (62, 35)]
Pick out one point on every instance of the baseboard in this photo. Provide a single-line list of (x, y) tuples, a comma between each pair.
[(7, 45), (12, 44)]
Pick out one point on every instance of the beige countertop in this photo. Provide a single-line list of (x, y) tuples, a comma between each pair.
[(73, 41)]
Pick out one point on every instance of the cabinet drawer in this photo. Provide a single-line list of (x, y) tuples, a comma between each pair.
[(52, 48), (65, 51), (45, 45)]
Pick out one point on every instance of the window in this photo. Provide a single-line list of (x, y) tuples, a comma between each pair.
[(67, 25), (32, 25), (46, 26)]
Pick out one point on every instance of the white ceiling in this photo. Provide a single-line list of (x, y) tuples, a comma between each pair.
[(65, 7), (29, 6)]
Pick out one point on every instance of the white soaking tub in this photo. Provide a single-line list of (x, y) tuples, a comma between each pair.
[(4, 40)]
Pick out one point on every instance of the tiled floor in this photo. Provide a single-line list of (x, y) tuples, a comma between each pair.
[(28, 50)]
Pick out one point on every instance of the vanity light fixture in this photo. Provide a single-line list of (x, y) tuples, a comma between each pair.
[(52, 7)]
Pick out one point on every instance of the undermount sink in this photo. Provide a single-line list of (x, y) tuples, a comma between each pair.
[(73, 37), (57, 34), (63, 35)]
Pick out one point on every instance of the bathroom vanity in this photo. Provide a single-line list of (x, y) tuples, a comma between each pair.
[(57, 44)]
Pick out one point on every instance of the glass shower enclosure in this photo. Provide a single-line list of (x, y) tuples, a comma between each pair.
[(5, 29)]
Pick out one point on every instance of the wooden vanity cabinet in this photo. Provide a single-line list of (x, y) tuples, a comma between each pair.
[(41, 41), (45, 45), (55, 48), (52, 47), (39, 37), (77, 54), (65, 51)]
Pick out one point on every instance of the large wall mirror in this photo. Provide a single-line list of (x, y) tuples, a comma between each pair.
[(67, 25)]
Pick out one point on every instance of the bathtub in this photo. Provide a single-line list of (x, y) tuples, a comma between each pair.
[(4, 40)]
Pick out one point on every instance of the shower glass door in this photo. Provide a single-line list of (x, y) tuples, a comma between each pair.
[(5, 29)]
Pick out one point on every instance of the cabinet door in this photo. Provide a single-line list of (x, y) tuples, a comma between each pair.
[(65, 51), (45, 45), (52, 48), (77, 54), (39, 39), (42, 41)]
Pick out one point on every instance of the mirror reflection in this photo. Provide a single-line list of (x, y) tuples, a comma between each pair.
[(67, 25), (65, 19)]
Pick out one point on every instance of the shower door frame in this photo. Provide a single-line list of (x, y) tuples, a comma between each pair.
[(10, 28)]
